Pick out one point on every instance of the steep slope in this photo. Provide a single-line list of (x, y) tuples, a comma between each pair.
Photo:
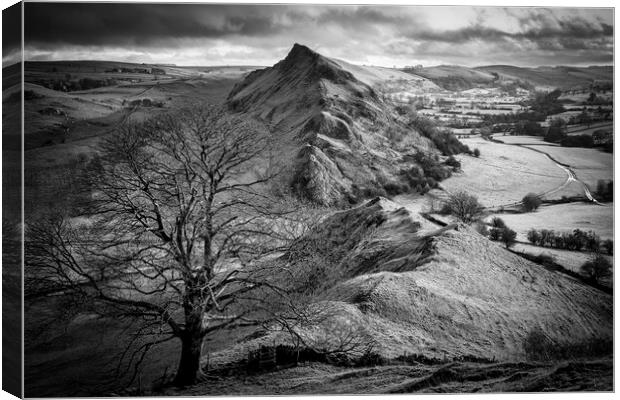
[(454, 293), (442, 293), (336, 137)]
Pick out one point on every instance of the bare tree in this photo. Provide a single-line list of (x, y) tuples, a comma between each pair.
[(177, 222), (463, 206)]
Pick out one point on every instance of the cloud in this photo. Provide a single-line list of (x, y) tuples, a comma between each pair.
[(11, 34), (113, 24), (208, 33)]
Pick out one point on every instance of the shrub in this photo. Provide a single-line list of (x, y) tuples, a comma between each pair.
[(577, 141), (508, 237), (503, 234), (426, 174), (476, 153), (463, 206), (497, 222), (445, 141), (533, 236), (453, 162), (556, 134), (528, 127), (593, 241), (597, 269), (394, 188), (531, 202), (495, 234)]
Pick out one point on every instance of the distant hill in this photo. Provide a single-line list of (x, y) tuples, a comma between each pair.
[(554, 77), (339, 140), (11, 76), (455, 78)]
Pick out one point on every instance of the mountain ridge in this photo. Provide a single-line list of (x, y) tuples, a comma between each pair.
[(345, 142)]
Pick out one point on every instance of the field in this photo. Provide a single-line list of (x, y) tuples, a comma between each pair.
[(503, 174), (589, 165), (589, 130), (499, 177), (571, 260), (55, 117), (528, 140), (563, 217)]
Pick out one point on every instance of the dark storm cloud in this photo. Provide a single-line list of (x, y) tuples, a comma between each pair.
[(262, 34), (11, 28), (113, 24), (117, 24), (576, 29)]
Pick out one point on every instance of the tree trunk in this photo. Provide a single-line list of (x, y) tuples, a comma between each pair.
[(189, 365)]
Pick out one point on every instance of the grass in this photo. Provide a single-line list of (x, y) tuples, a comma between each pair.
[(562, 217), (548, 261), (589, 165), (503, 174)]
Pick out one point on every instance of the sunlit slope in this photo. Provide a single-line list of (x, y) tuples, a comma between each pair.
[(447, 292)]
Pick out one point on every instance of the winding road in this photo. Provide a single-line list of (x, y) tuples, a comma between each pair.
[(570, 175), (570, 178)]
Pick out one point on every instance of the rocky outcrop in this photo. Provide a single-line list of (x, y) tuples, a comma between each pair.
[(344, 147)]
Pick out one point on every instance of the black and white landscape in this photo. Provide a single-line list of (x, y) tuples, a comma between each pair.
[(271, 199)]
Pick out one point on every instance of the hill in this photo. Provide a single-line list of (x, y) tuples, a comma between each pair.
[(331, 129), (456, 78), (410, 287), (555, 77)]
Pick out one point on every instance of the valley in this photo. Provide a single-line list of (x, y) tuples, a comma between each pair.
[(422, 300)]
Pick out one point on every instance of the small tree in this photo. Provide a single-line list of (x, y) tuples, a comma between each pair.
[(497, 222), (463, 206), (533, 236), (476, 153), (508, 237), (531, 202), (597, 269), (453, 162)]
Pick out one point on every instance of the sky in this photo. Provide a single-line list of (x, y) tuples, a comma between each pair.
[(219, 34)]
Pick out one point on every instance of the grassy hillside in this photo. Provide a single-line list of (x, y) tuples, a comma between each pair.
[(560, 77), (440, 293), (454, 77)]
